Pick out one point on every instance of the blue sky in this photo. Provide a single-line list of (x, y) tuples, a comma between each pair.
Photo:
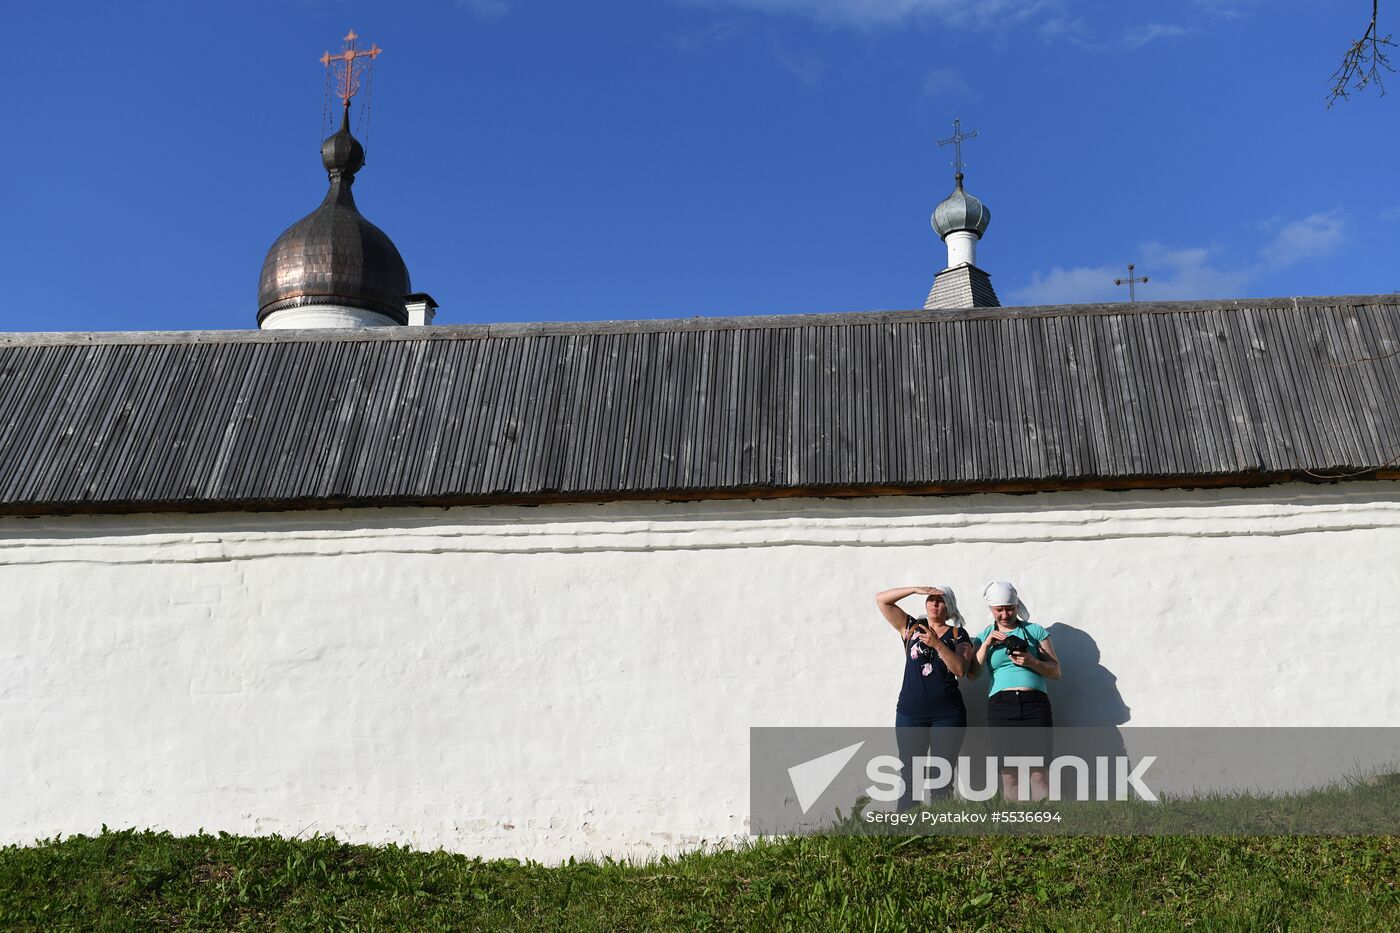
[(551, 160)]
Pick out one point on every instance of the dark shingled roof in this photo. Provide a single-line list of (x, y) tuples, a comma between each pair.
[(846, 404)]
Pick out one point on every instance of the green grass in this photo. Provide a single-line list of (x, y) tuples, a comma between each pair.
[(142, 881)]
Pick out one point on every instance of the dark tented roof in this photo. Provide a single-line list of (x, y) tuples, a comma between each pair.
[(845, 404), (964, 286)]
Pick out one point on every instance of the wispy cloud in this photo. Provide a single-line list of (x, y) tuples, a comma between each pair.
[(1189, 273), (803, 66), (1172, 273), (1225, 9), (488, 10), (1391, 213), (1193, 272), (1066, 286), (1139, 36), (1314, 235), (719, 33), (1050, 20), (946, 83), (1063, 27), (984, 13)]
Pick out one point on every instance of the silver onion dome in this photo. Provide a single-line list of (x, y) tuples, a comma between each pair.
[(961, 211)]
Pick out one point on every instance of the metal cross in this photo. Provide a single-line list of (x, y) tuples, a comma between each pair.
[(957, 140), (1130, 281), (346, 68)]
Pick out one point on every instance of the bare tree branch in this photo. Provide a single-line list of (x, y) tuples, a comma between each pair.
[(1364, 63), (1363, 359), (1371, 469)]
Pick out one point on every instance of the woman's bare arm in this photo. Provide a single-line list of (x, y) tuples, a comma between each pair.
[(894, 615), (955, 661), (969, 659), (984, 650), (1047, 666)]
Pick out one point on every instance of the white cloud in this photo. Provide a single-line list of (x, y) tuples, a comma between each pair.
[(1139, 36), (719, 33), (1314, 235), (985, 13), (488, 10), (1391, 213), (1051, 20), (1066, 286), (1171, 274), (1189, 273), (1225, 9), (804, 67), (1062, 27), (946, 83), (1193, 272)]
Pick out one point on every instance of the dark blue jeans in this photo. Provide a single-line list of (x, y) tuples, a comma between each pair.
[(937, 736)]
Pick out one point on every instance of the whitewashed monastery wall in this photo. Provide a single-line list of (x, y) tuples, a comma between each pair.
[(580, 679)]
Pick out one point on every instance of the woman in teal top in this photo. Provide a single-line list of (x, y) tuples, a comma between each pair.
[(1019, 657)]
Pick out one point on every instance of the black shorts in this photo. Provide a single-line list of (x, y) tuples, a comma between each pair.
[(1024, 718)]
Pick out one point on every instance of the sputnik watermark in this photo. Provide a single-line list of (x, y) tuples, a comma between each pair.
[(1095, 779), (811, 778), (934, 774), (1115, 777)]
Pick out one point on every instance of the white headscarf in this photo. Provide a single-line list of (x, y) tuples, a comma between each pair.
[(1002, 593), (955, 618)]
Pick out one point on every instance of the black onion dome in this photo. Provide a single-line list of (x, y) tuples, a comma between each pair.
[(333, 255), (342, 152)]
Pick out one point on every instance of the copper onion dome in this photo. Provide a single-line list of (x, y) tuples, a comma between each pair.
[(333, 255), (960, 211)]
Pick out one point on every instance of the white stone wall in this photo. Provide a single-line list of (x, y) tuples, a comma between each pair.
[(573, 680)]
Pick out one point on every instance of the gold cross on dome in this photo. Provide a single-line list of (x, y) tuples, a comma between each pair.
[(347, 68)]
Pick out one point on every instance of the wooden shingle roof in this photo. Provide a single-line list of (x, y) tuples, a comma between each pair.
[(845, 404)]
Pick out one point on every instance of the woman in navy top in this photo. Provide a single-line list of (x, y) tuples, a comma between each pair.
[(930, 716)]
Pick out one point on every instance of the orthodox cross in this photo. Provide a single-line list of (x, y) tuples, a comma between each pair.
[(957, 140), (1130, 281), (347, 67)]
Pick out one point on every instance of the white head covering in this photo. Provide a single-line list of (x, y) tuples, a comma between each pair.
[(955, 618), (1002, 593)]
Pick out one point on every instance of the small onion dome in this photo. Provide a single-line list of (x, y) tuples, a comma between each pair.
[(333, 255), (961, 211)]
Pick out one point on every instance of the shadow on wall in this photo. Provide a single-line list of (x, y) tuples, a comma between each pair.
[(1087, 692), (1086, 699)]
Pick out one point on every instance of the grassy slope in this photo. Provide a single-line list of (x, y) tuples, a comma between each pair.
[(140, 881)]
